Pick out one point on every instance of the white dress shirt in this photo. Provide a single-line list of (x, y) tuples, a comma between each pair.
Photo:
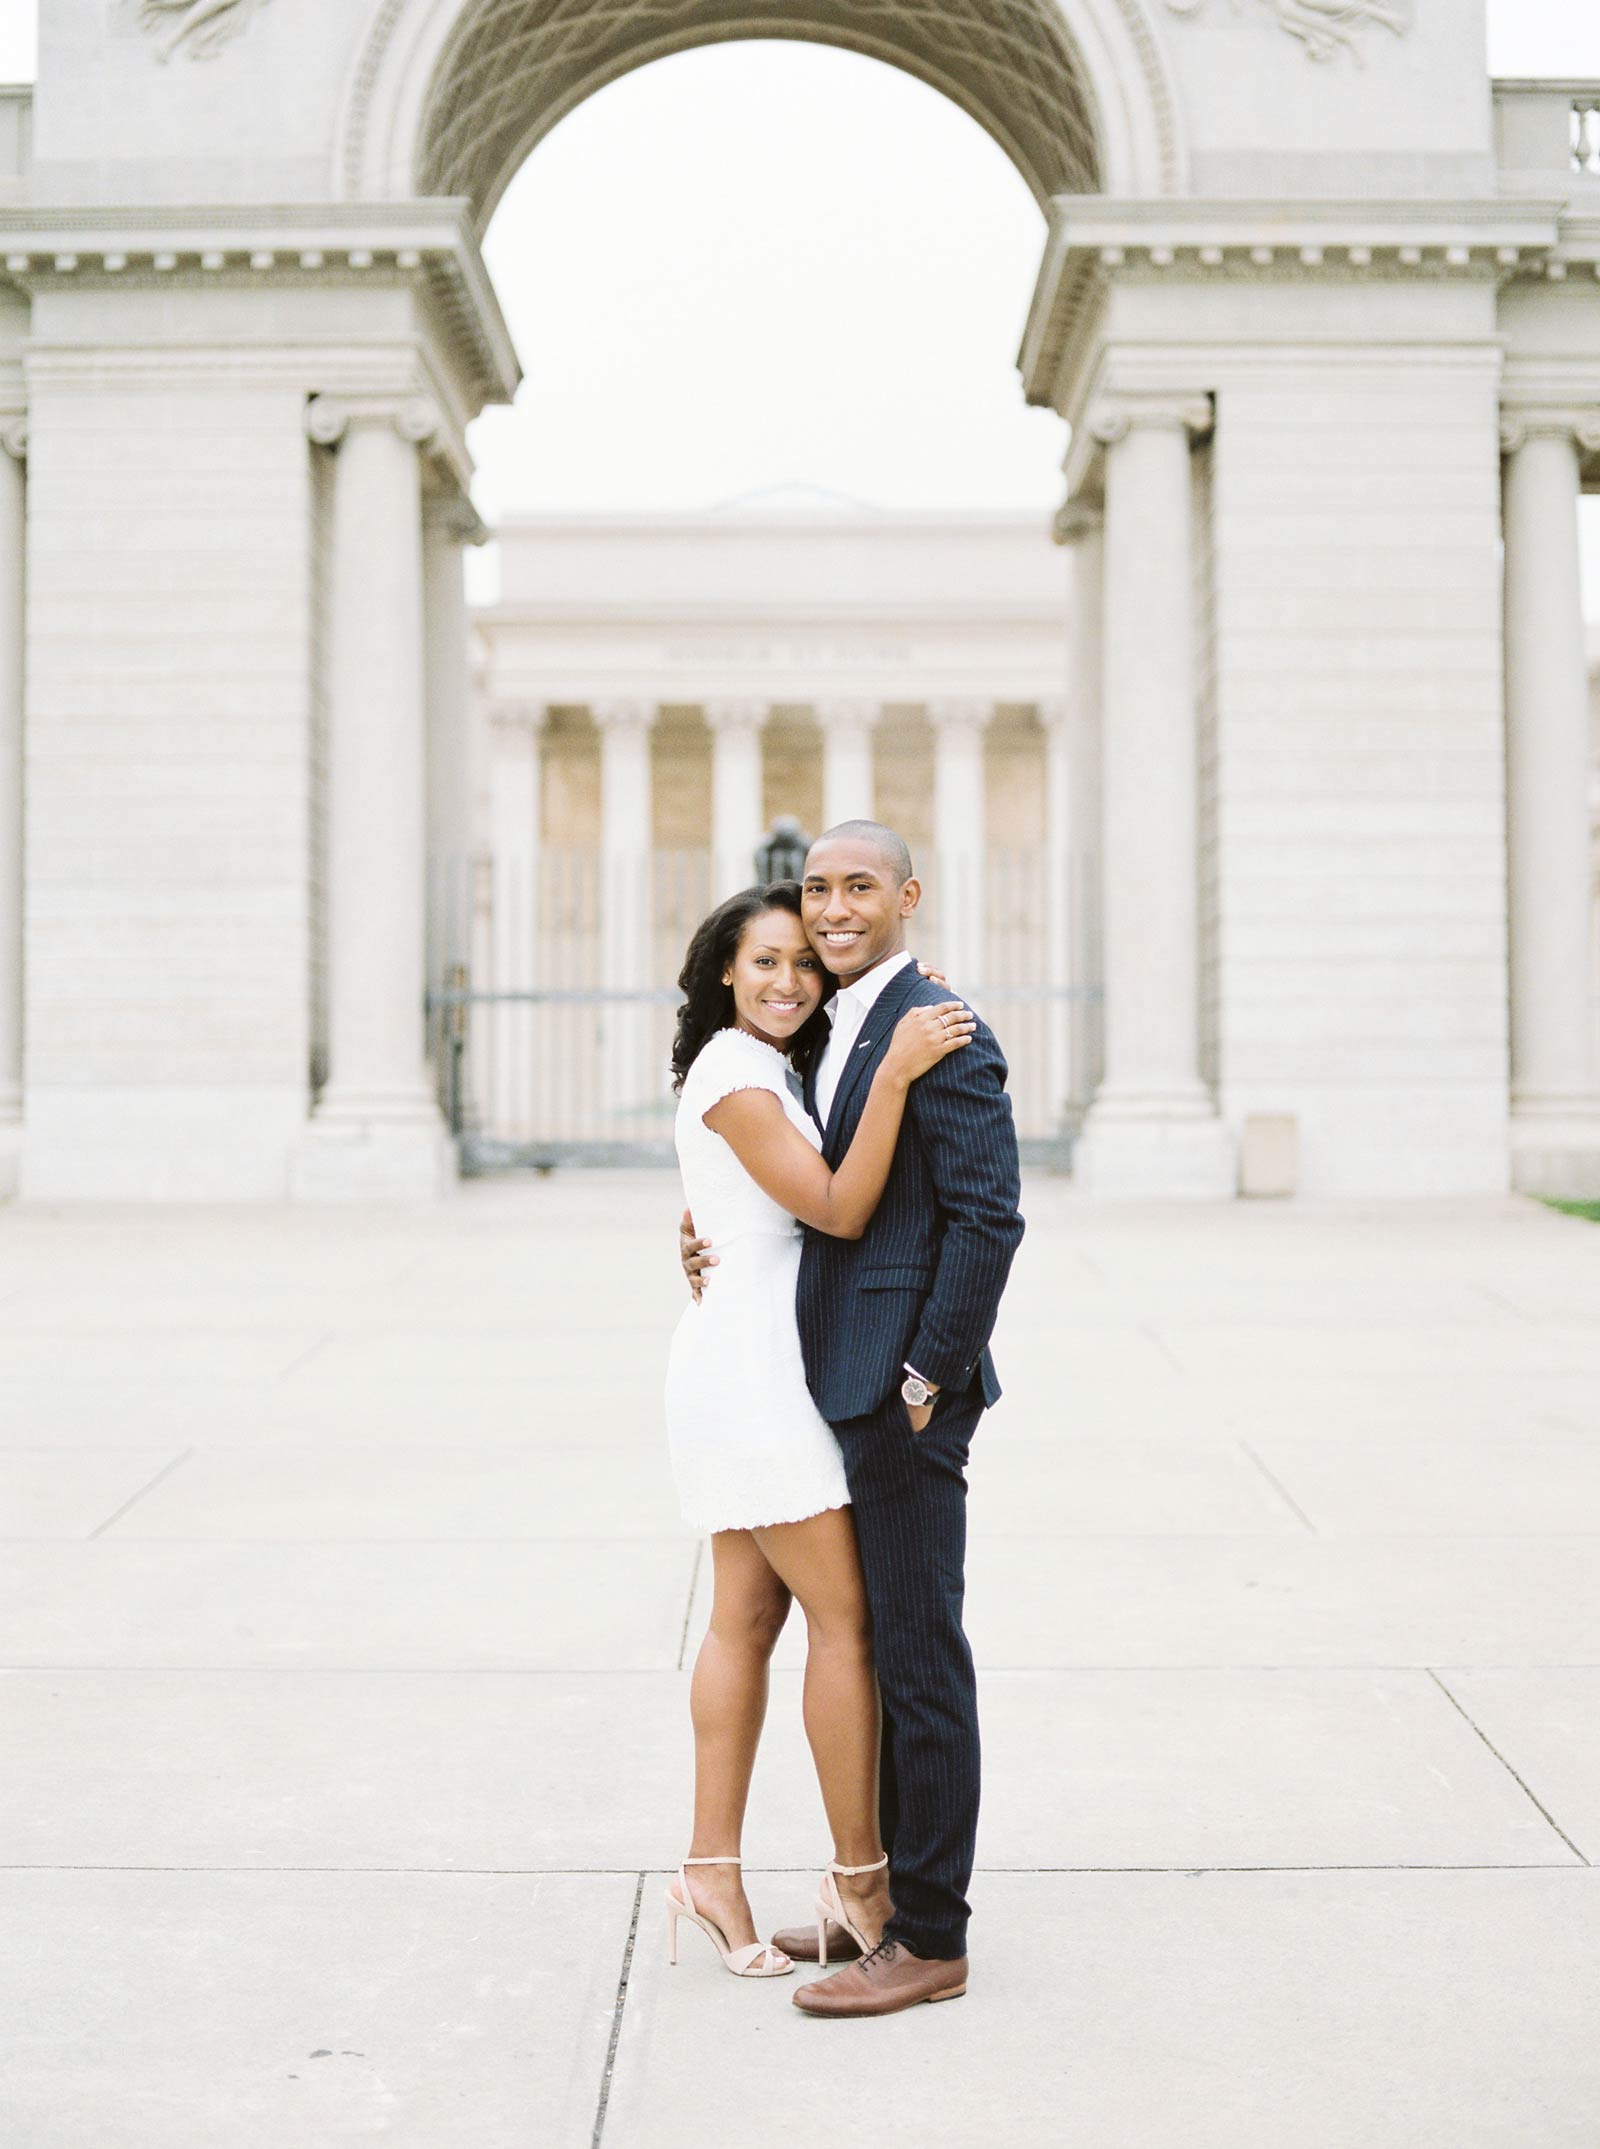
[(847, 1011)]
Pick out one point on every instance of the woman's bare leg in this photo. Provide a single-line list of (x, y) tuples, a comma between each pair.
[(728, 1704), (819, 1562)]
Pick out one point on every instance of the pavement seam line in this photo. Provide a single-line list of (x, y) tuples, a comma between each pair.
[(164, 1472), (688, 1610), (617, 1872), (1528, 1793), (616, 2019), (1280, 1488)]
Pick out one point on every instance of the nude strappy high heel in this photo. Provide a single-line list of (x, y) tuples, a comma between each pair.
[(830, 1905), (759, 1959)]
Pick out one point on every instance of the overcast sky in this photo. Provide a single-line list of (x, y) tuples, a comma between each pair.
[(767, 264)]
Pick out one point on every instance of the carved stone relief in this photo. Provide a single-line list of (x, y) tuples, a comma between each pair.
[(1326, 27), (199, 27)]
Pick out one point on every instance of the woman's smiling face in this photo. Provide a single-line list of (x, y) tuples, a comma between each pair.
[(775, 976)]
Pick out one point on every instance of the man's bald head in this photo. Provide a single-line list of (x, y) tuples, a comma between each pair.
[(890, 848)]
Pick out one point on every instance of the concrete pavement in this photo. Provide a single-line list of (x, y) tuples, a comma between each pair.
[(344, 1606)]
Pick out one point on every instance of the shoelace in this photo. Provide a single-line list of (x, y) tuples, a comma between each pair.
[(885, 1951)]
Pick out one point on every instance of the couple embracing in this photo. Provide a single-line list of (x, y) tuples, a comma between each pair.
[(850, 1164)]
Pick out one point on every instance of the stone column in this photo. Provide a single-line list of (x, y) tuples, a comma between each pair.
[(736, 819), (515, 812), (376, 1132), (1555, 1097), (13, 447), (1059, 921), (628, 1079), (1079, 527), (960, 839), (449, 524), (1153, 1129), (848, 790)]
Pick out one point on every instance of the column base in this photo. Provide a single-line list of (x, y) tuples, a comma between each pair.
[(1155, 1149), (1555, 1148), (373, 1149)]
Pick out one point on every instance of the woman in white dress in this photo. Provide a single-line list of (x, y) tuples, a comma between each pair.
[(757, 1467)]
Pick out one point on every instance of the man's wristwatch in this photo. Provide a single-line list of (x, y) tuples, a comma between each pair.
[(916, 1391)]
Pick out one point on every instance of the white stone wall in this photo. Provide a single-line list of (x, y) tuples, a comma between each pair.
[(1360, 792), (168, 823)]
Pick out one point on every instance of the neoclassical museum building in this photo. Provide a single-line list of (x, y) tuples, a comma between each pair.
[(1255, 796), (658, 693)]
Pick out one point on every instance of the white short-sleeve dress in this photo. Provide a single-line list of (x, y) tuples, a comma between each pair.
[(749, 1447)]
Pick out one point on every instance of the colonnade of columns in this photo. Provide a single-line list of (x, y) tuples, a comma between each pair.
[(737, 817), (1127, 780), (1120, 782), (628, 956)]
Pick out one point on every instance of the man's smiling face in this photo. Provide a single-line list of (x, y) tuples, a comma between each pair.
[(854, 905)]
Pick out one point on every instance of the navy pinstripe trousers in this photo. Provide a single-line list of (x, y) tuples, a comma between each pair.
[(909, 1493)]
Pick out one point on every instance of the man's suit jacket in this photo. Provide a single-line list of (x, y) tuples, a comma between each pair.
[(924, 1281)]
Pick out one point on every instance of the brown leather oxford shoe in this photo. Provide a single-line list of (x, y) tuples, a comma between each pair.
[(799, 1943), (884, 1982)]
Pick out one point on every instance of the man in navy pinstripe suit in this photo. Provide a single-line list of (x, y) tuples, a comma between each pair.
[(895, 1330)]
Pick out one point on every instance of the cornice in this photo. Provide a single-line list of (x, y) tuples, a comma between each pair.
[(1095, 242), (761, 617), (430, 244)]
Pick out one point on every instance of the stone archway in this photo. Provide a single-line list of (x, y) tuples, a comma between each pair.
[(242, 333), (450, 96)]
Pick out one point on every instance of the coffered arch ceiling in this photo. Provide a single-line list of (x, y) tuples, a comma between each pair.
[(511, 69)]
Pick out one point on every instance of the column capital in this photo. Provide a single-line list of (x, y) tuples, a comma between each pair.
[(1076, 520), (1579, 423), (1113, 417), (735, 716), (14, 437), (622, 718), (415, 418), (520, 716), (963, 713), (845, 714)]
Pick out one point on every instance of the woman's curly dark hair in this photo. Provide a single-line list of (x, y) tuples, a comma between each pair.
[(708, 1003)]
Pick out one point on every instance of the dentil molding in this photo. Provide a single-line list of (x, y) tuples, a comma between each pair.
[(201, 28), (1325, 28)]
